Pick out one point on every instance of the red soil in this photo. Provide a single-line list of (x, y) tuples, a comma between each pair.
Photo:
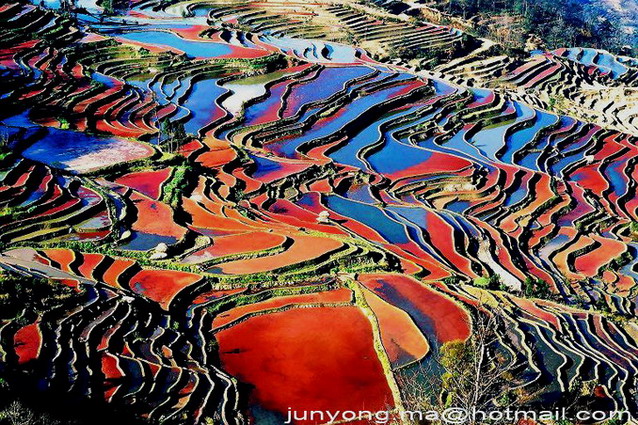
[(188, 148), (71, 283), (428, 308), (589, 263), (7, 55), (562, 258), (91, 38), (162, 286), (251, 185), (531, 308), (210, 223), (236, 244), (284, 211), (27, 343), (321, 186), (307, 359), (110, 367), (154, 217), (304, 248), (62, 256), (589, 176), (342, 295), (89, 263), (437, 163), (442, 236), (215, 295), (147, 182), (422, 260), (624, 285), (401, 338), (220, 153), (112, 274)]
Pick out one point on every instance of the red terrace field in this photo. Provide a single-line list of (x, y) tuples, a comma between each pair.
[(154, 217), (284, 211), (236, 244), (147, 182), (441, 234), (228, 181), (110, 367), (620, 284), (304, 248), (430, 310), (251, 185), (212, 224), (283, 169), (63, 257), (112, 274), (215, 295), (162, 286), (27, 343), (307, 359), (89, 264), (112, 373), (220, 153), (273, 111), (589, 263), (188, 148), (413, 252), (581, 208), (437, 163), (241, 52), (543, 193), (531, 308), (91, 38), (590, 177), (71, 283), (401, 338), (562, 258), (503, 255), (7, 55), (342, 295)]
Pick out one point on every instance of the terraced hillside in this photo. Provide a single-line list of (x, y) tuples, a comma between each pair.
[(241, 208)]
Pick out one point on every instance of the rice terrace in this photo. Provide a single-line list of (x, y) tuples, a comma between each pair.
[(233, 212)]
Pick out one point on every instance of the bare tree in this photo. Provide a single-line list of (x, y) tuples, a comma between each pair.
[(470, 375), (17, 414)]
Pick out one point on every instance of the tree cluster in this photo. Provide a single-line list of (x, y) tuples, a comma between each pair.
[(559, 23)]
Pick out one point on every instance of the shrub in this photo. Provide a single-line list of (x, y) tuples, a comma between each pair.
[(534, 287), (21, 294), (453, 280), (176, 186), (601, 305), (108, 6), (490, 282)]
